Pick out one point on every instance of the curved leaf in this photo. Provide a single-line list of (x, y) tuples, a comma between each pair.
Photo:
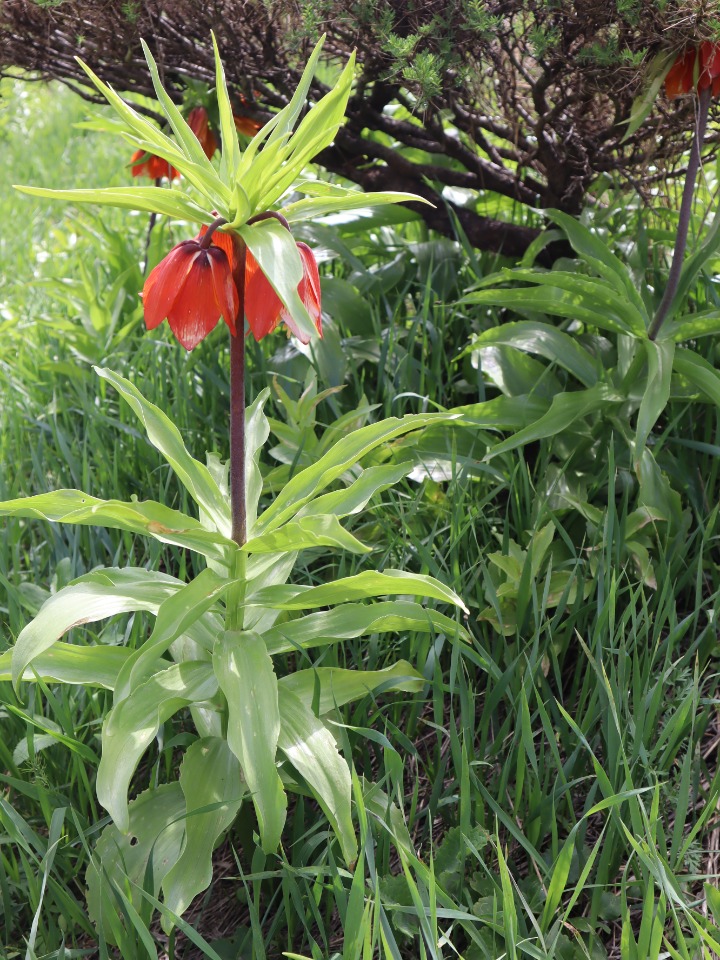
[(96, 666), (156, 825), (97, 595), (690, 326), (565, 409), (247, 678), (175, 616), (338, 686), (701, 374), (311, 749), (356, 620), (322, 531), (344, 454), (146, 517), (209, 777), (276, 252), (369, 583), (352, 200), (169, 202), (343, 503), (597, 253), (165, 437), (553, 301), (657, 390), (132, 724), (545, 341), (257, 430)]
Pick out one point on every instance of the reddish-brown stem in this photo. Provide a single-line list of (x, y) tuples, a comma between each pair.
[(237, 409), (208, 235), (269, 215), (684, 216)]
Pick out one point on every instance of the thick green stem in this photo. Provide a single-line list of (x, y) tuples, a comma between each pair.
[(685, 213)]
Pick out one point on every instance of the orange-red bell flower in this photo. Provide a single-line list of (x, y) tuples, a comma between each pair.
[(192, 287), (264, 309), (680, 79), (148, 165), (199, 123)]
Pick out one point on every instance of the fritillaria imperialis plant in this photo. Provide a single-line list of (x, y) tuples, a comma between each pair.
[(212, 646)]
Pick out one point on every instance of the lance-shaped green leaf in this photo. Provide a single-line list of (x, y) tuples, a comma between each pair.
[(188, 158), (101, 594), (257, 430), (351, 200), (337, 686), (565, 409), (361, 586), (168, 202), (599, 255), (247, 678), (276, 252), (655, 74), (185, 136), (323, 531), (657, 389), (354, 498), (344, 454), (691, 326), (556, 301), (310, 748), (165, 437), (175, 617), (146, 517), (356, 620), (131, 726), (230, 156), (316, 131), (545, 341), (701, 374), (156, 827), (278, 129), (96, 666), (212, 783)]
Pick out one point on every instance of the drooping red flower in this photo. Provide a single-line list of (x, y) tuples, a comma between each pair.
[(680, 79), (192, 287), (264, 309), (148, 165), (199, 123)]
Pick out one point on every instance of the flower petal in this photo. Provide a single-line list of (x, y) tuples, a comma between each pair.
[(195, 311), (246, 125), (309, 288), (225, 291), (139, 167), (679, 79), (199, 123), (263, 307), (709, 63), (165, 281), (309, 293)]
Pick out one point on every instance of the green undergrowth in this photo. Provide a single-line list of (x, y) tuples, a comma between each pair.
[(551, 791)]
